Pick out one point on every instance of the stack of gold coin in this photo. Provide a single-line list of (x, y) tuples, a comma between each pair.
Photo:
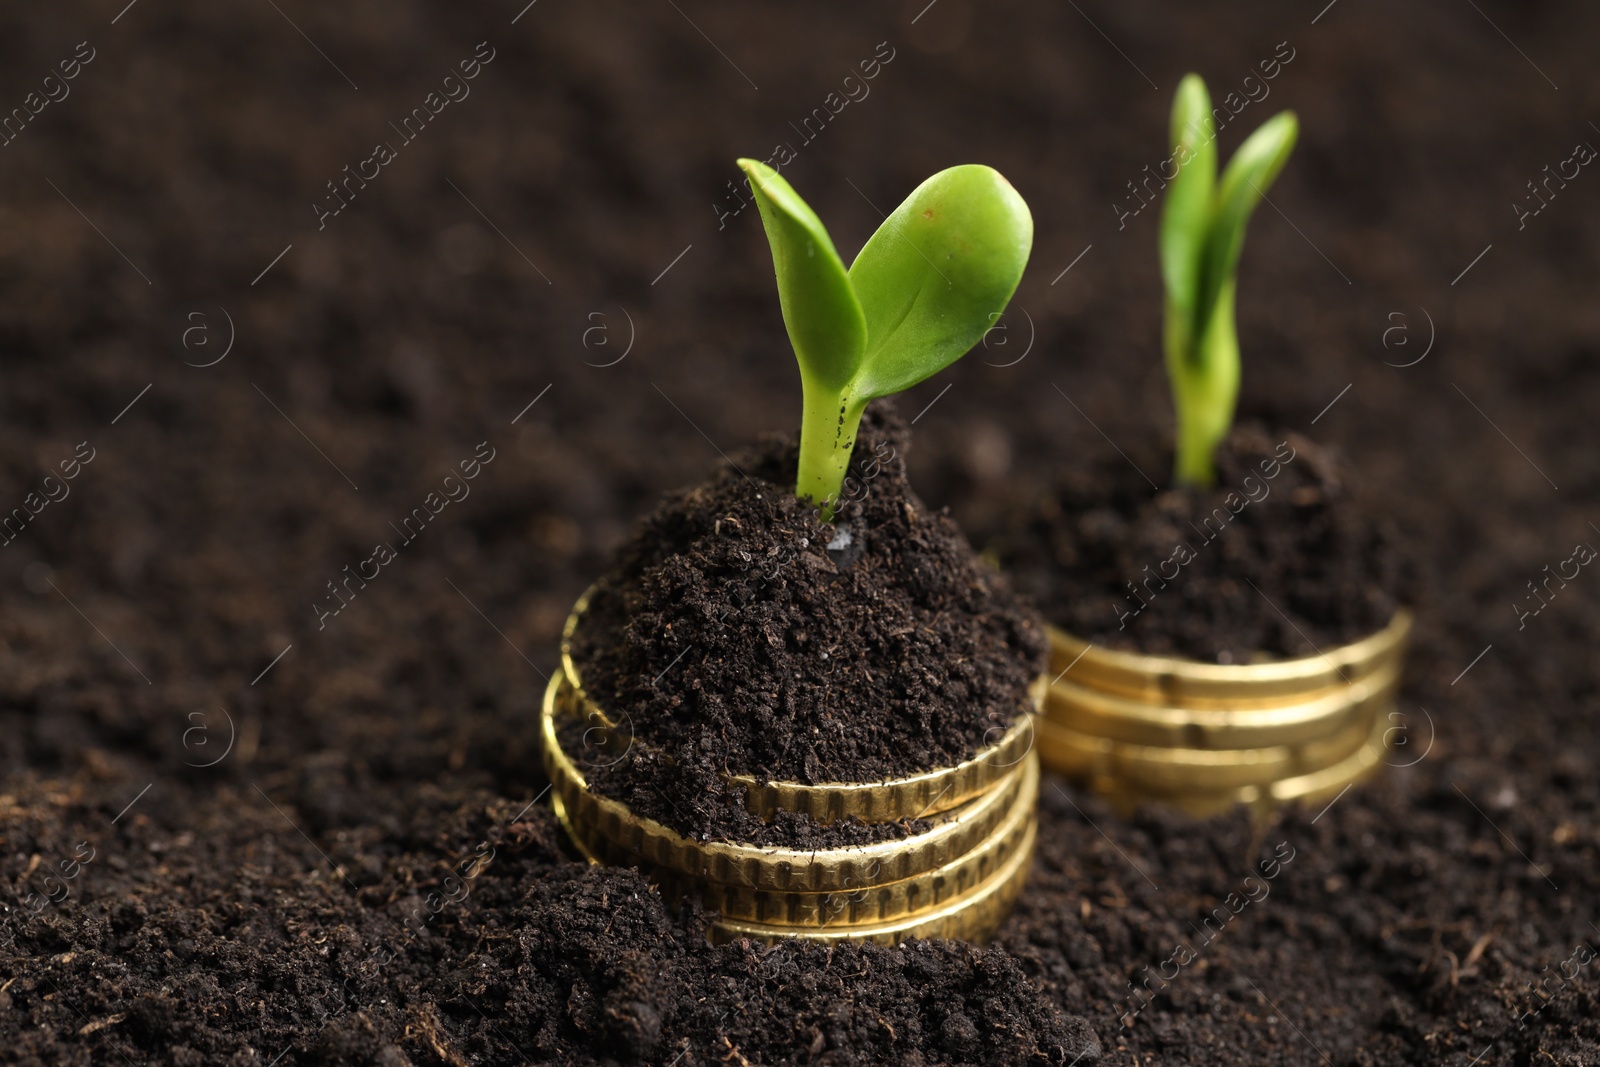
[(1207, 736), (958, 877)]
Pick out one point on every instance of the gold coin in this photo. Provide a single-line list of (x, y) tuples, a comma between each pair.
[(1120, 719), (568, 630), (871, 903), (559, 809), (1311, 788), (974, 916), (1162, 770), (650, 843), (915, 796), (1328, 781), (1177, 682), (912, 797)]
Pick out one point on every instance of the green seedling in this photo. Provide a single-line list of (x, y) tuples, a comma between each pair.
[(1202, 232), (924, 289)]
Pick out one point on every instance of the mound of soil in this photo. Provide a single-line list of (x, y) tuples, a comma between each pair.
[(1279, 558), (739, 634)]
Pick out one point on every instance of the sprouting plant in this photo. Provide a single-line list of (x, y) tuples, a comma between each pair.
[(923, 290), (1202, 231)]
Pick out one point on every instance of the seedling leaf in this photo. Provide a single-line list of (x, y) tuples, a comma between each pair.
[(937, 275), (820, 311), (1244, 184), (925, 288), (1187, 205), (1202, 234)]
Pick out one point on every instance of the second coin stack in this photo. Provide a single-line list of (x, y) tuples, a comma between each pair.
[(1206, 736)]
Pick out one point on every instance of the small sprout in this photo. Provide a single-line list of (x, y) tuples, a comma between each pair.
[(1202, 233), (925, 288)]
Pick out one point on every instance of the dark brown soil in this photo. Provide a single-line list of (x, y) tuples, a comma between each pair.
[(735, 642), (1279, 558), (549, 961), (222, 912)]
